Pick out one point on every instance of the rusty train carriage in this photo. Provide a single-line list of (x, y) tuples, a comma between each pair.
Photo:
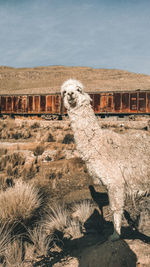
[(121, 102), (30, 104), (135, 102)]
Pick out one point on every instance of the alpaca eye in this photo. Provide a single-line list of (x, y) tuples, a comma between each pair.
[(64, 93), (79, 90)]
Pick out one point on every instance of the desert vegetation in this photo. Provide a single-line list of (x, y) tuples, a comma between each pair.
[(46, 209), (21, 235)]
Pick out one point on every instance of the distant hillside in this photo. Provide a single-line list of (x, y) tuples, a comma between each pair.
[(49, 79)]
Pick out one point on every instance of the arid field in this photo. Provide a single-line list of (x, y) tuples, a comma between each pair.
[(49, 207), (49, 79)]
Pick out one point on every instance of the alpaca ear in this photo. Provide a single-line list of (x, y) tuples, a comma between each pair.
[(80, 89)]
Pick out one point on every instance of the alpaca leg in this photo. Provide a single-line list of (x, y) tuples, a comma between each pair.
[(117, 218), (116, 197)]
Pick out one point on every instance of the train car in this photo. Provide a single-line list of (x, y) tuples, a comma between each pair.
[(104, 103), (30, 104), (121, 103)]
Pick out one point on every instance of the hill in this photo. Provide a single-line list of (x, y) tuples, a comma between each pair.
[(49, 79)]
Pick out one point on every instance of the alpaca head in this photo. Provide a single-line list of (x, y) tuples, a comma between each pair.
[(73, 94)]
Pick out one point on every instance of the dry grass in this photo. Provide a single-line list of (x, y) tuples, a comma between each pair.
[(19, 203), (3, 151), (5, 237), (14, 254), (35, 125), (2, 182), (29, 171), (40, 240), (15, 159), (16, 134), (56, 219), (73, 230), (83, 210)]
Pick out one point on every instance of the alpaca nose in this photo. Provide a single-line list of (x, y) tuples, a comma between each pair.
[(71, 94)]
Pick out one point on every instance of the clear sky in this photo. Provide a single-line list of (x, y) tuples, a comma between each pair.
[(94, 33)]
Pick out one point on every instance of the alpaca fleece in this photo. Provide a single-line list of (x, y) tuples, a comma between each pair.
[(119, 162)]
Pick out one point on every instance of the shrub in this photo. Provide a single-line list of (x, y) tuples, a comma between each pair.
[(50, 138), (40, 240), (9, 170), (5, 183), (16, 159), (3, 151), (56, 219), (83, 210), (19, 203), (14, 254), (2, 182), (73, 230), (5, 237), (16, 135), (12, 163), (29, 171), (35, 125), (68, 139), (39, 150), (3, 162), (26, 134)]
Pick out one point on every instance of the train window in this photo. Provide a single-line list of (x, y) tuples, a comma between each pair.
[(24, 104), (42, 103), (9, 103), (54, 104), (125, 102), (57, 99), (103, 103), (109, 102), (36, 103), (20, 103), (117, 101), (97, 102), (133, 102), (15, 103), (49, 103), (142, 102), (30, 103), (3, 103), (57, 104)]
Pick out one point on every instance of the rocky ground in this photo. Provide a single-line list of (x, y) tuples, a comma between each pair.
[(44, 153)]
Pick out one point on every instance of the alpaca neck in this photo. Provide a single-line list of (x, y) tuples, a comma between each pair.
[(85, 127), (83, 117)]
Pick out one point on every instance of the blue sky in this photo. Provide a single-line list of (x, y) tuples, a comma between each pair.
[(95, 33)]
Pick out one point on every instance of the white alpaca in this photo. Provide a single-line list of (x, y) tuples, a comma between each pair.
[(122, 165)]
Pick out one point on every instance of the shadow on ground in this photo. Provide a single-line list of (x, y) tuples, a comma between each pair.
[(93, 249)]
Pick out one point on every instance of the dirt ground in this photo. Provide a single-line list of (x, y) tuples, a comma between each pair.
[(44, 153)]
